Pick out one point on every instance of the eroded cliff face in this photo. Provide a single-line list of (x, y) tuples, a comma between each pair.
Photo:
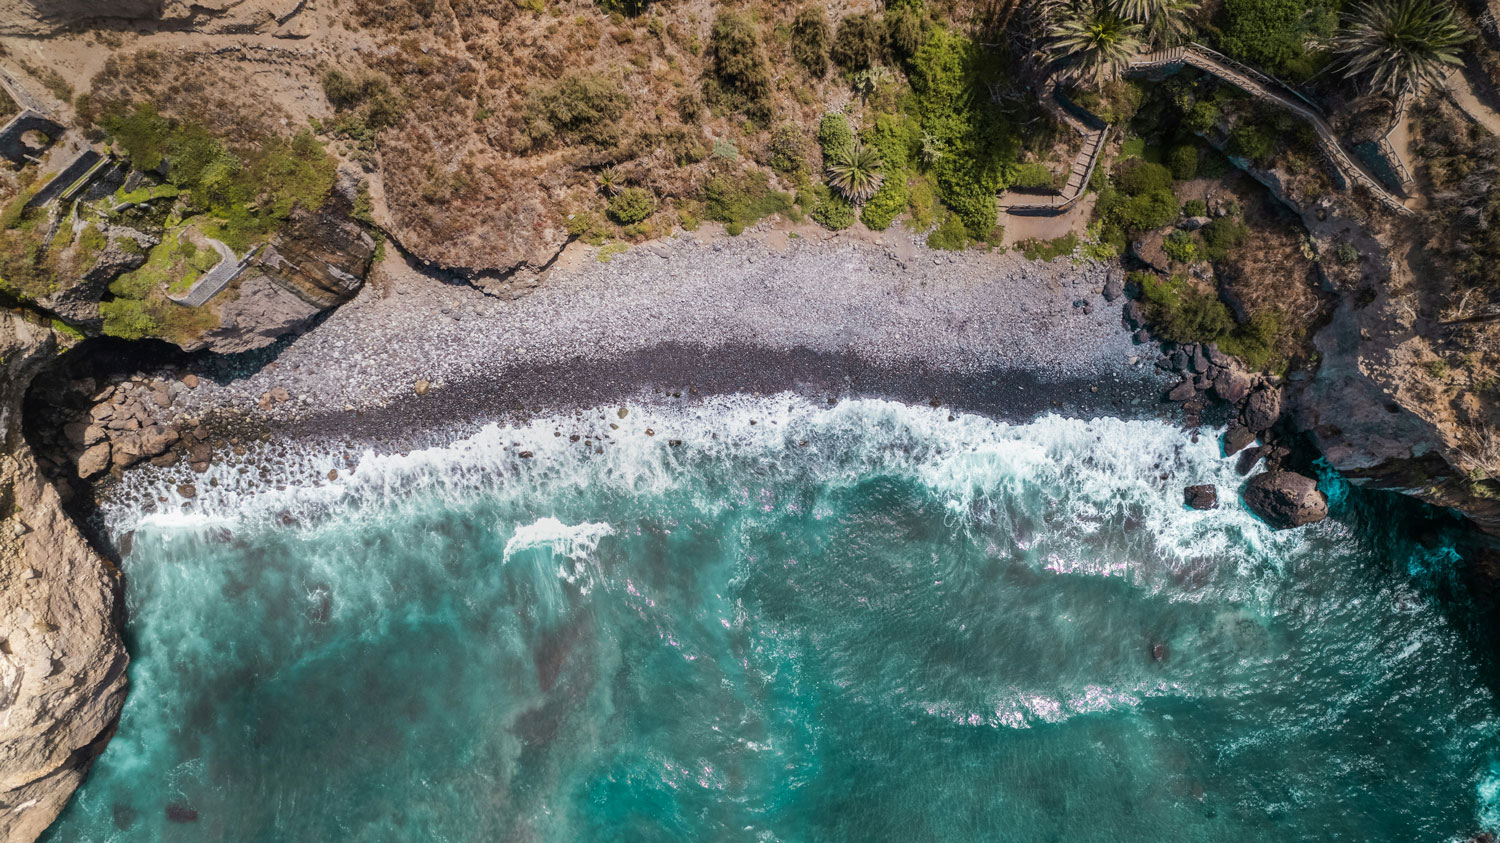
[(317, 262), (62, 663)]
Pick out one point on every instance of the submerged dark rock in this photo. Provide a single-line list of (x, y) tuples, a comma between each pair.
[(1286, 499), (181, 814)]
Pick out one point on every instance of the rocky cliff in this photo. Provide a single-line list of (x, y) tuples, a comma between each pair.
[(62, 664), (317, 262)]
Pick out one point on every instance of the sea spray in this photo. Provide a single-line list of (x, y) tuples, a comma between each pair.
[(765, 618)]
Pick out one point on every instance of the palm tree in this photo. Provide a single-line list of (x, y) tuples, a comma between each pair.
[(854, 172), (1401, 46), (1165, 20), (1091, 38)]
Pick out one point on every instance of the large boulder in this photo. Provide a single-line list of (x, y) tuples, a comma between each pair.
[(1262, 408), (1286, 499), (1232, 383), (1151, 251), (1203, 496)]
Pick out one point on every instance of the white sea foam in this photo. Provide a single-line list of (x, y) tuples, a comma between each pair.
[(1488, 792), (1064, 478), (574, 542)]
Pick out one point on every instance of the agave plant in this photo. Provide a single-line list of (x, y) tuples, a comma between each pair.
[(854, 172), (1092, 38), (1400, 46), (611, 181)]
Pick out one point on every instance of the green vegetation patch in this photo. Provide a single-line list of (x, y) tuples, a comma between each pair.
[(1138, 199), (251, 187), (977, 146), (832, 211), (1180, 311), (859, 43), (835, 138), (1275, 34), (952, 235), (26, 271), (632, 205), (1221, 236), (1046, 250), (810, 40), (741, 199), (891, 137)]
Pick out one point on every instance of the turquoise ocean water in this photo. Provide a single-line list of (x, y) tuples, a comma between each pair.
[(779, 621)]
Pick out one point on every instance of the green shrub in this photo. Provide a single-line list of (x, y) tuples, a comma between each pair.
[(1180, 312), (1254, 341), (371, 94), (890, 136), (785, 149), (629, 8), (833, 212), (1046, 250), (904, 27), (1251, 141), (1195, 208), (740, 76), (859, 42), (810, 37), (632, 205), (1136, 176), (1346, 253), (580, 107), (952, 235), (887, 204), (1183, 162), (922, 202), (1202, 117), (1146, 212), (1181, 247), (1222, 235), (834, 135), (1034, 175), (1274, 34)]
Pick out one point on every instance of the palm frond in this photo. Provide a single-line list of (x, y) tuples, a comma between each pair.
[(1400, 46)]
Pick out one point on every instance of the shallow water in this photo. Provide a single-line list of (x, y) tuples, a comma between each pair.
[(802, 623)]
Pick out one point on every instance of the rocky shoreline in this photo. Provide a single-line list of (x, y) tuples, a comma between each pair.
[(415, 360)]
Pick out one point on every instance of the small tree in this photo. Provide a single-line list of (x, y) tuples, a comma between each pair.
[(860, 42), (810, 37)]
